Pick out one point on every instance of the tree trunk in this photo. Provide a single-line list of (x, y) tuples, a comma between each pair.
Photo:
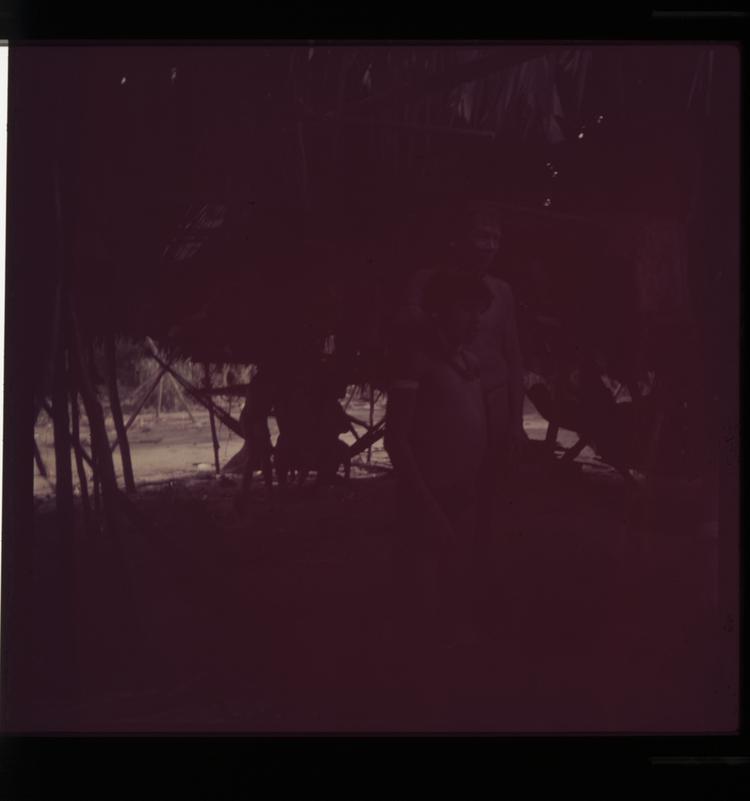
[(114, 400)]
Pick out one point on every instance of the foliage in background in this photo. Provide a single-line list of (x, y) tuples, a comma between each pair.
[(136, 371)]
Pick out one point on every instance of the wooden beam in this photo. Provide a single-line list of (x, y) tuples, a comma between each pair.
[(357, 421), (369, 439), (226, 419)]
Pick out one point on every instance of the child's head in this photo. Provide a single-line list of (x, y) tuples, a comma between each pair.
[(456, 300)]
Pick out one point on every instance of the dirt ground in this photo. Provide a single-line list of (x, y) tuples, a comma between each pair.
[(174, 447), (602, 616)]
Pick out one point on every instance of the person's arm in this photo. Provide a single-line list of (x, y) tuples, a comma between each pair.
[(401, 408), (515, 364)]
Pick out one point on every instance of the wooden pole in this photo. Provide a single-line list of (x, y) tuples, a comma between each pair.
[(63, 472), (350, 396), (76, 446), (212, 419), (59, 587), (550, 438), (372, 420), (182, 398), (100, 447), (96, 492), (40, 462), (60, 421), (136, 393), (76, 443), (371, 437), (204, 401), (160, 398), (140, 406), (114, 401)]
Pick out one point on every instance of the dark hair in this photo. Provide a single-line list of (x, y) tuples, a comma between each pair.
[(447, 288)]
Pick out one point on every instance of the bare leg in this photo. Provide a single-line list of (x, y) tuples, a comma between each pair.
[(268, 477)]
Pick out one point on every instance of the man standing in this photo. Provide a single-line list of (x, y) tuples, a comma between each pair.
[(436, 409), (496, 347)]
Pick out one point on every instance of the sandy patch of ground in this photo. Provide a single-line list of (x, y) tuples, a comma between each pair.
[(175, 447)]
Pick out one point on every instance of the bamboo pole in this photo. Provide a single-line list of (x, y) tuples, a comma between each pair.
[(59, 369), (371, 437), (135, 394), (350, 396), (76, 443), (105, 469), (140, 406), (160, 398), (40, 466), (114, 400), (96, 495), (182, 398), (78, 446), (226, 419), (372, 421), (60, 422), (212, 419)]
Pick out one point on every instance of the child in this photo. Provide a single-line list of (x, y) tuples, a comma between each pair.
[(254, 421), (437, 438)]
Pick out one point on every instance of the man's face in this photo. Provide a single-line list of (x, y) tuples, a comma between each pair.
[(482, 247)]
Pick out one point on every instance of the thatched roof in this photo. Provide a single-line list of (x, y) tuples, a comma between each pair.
[(230, 196)]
